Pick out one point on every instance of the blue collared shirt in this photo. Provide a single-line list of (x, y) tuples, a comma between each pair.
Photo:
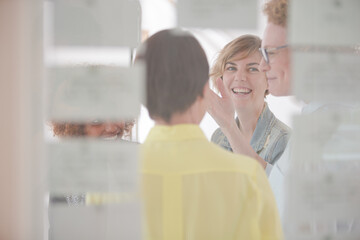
[(269, 139)]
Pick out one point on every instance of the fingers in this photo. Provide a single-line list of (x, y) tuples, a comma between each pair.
[(214, 103), (221, 87), (213, 97)]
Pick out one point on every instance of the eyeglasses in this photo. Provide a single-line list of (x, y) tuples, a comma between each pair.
[(265, 52)]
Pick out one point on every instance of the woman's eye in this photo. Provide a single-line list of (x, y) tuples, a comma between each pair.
[(231, 68), (253, 69), (96, 123), (270, 53)]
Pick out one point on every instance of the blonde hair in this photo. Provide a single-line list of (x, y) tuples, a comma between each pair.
[(247, 45), (276, 11)]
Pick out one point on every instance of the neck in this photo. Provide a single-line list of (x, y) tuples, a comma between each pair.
[(193, 115), (248, 120), (177, 118)]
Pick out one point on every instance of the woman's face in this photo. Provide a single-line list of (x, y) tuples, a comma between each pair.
[(107, 130), (244, 82)]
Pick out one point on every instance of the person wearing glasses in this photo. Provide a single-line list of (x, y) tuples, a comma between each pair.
[(275, 63), (192, 188), (243, 87), (275, 51)]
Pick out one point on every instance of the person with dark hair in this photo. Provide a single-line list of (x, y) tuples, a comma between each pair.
[(256, 131), (192, 188)]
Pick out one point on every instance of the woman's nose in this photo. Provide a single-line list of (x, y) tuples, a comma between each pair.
[(240, 76)]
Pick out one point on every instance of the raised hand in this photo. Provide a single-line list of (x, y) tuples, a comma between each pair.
[(221, 108)]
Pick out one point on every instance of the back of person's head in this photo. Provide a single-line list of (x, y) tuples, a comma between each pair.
[(245, 46), (176, 72), (277, 11)]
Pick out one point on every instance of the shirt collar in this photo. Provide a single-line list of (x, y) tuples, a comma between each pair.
[(178, 132), (262, 129)]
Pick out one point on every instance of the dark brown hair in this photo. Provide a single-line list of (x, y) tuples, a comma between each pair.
[(176, 72)]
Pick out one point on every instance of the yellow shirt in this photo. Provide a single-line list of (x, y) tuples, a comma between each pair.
[(193, 189)]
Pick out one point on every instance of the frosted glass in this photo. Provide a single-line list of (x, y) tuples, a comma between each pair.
[(79, 166), (229, 14), (94, 93), (323, 205), (327, 77), (111, 222), (97, 23), (324, 22)]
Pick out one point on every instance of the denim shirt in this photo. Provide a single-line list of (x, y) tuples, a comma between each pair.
[(269, 139)]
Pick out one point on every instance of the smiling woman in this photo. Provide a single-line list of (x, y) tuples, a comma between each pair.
[(255, 132), (107, 130), (244, 83)]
